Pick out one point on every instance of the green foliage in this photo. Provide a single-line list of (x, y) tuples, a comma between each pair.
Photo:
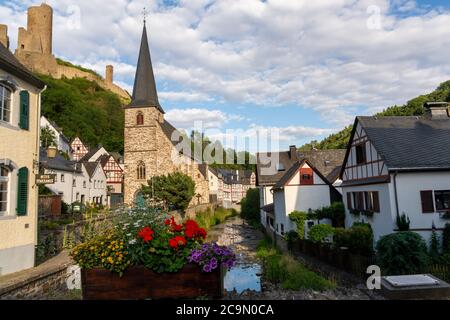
[(47, 137), (299, 218), (44, 190), (175, 190), (335, 212), (83, 108), (358, 239), (413, 107), (285, 270), (446, 239), (211, 218), (68, 64), (404, 252), (320, 232), (291, 237), (250, 205), (434, 247), (403, 222)]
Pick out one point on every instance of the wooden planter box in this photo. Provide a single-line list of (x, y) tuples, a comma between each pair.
[(140, 283)]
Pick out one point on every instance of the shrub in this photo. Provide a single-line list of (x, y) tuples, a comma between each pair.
[(403, 222), (404, 252), (434, 247), (250, 205), (320, 232), (291, 238), (358, 239), (299, 218), (362, 224), (175, 190), (446, 239)]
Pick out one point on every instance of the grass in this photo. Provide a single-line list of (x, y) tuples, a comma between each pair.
[(285, 270), (211, 218)]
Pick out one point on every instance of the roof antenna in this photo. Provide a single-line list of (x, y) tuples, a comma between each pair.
[(144, 14)]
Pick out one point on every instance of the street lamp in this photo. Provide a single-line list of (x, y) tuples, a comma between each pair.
[(52, 151)]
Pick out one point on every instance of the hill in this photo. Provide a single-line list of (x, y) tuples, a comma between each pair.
[(413, 107), (83, 108)]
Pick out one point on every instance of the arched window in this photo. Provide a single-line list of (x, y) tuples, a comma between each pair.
[(4, 186), (140, 119), (141, 171), (5, 104)]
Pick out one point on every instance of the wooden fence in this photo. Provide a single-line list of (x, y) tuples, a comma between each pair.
[(352, 263)]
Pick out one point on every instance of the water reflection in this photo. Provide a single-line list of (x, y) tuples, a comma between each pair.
[(243, 277)]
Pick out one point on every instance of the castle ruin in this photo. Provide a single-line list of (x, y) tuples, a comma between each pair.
[(34, 50)]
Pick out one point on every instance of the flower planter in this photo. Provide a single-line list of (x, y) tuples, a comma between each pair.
[(139, 283)]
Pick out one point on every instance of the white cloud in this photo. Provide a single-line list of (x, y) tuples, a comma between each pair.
[(184, 96), (207, 119)]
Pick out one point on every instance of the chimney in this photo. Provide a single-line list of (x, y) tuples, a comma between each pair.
[(437, 110), (4, 39), (293, 153), (109, 74)]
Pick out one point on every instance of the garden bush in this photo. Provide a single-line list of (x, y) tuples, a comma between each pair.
[(320, 232), (250, 205), (358, 239), (291, 238), (403, 222), (446, 239), (403, 252)]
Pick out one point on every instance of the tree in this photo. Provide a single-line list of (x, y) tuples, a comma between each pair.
[(48, 137), (250, 205), (434, 246), (403, 222), (175, 190)]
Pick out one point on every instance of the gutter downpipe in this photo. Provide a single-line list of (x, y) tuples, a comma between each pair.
[(395, 193)]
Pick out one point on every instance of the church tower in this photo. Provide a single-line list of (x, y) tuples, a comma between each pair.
[(142, 118)]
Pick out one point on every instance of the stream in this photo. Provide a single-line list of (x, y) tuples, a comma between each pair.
[(243, 240)]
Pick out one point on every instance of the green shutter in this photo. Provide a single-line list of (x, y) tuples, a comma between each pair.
[(22, 192), (24, 110)]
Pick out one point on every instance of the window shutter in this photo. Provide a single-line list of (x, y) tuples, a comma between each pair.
[(22, 192), (24, 110), (376, 202), (349, 201), (427, 201)]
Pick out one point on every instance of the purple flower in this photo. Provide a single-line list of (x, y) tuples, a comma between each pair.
[(207, 268), (213, 263)]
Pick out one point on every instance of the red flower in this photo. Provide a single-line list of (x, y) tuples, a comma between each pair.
[(174, 226), (146, 234), (193, 231), (177, 241), (167, 222)]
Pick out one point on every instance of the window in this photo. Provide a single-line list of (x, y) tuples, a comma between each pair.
[(280, 167), (5, 104), (4, 182), (306, 176), (140, 119), (141, 171), (282, 228), (427, 201), (358, 200), (62, 178), (372, 201), (442, 199), (74, 183), (84, 184), (361, 154), (349, 201)]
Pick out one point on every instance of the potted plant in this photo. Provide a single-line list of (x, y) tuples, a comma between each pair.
[(148, 255)]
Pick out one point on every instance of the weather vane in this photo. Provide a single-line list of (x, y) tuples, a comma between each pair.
[(144, 14)]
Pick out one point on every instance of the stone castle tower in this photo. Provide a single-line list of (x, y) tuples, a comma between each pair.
[(35, 51), (149, 148)]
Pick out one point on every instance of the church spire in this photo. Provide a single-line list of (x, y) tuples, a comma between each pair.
[(144, 92)]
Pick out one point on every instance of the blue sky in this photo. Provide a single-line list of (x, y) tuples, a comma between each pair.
[(300, 67)]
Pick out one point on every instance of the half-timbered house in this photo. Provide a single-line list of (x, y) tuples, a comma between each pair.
[(399, 165), (79, 149)]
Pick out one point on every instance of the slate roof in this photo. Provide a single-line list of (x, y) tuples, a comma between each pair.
[(233, 177), (90, 168), (327, 162), (90, 154), (9, 63), (144, 90), (58, 163), (410, 143)]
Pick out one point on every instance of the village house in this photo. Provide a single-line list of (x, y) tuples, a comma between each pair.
[(302, 188), (20, 107), (83, 182), (396, 166), (151, 141), (273, 166), (78, 148), (62, 142)]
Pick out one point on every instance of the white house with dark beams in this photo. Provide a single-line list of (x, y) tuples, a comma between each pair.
[(399, 165), (302, 188)]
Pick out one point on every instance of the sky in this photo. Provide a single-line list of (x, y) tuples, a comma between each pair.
[(303, 69)]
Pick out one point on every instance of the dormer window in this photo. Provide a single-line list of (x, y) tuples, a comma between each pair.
[(280, 167), (361, 154)]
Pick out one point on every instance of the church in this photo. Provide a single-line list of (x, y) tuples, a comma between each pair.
[(149, 146)]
